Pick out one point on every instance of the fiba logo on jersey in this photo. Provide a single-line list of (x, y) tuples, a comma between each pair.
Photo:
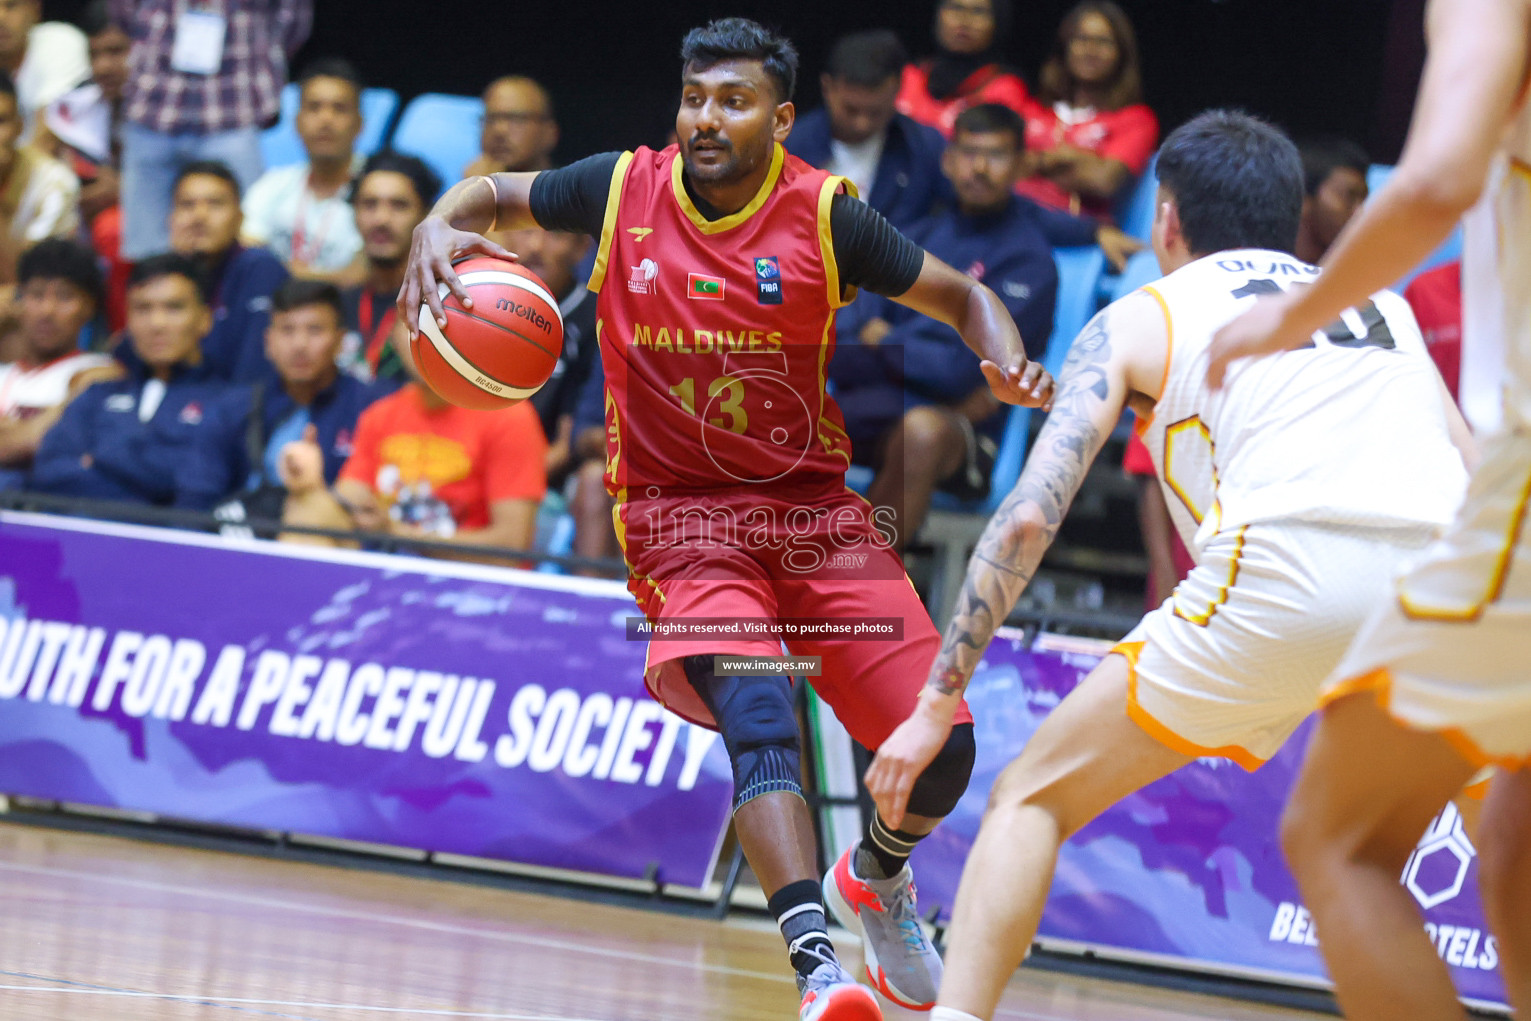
[(643, 278)]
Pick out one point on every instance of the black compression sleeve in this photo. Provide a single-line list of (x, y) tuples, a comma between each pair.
[(870, 251), (573, 198)]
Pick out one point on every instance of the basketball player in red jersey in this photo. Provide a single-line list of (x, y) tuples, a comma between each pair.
[(721, 263)]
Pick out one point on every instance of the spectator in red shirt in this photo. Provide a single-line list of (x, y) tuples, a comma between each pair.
[(1436, 298), (425, 469), (1088, 123), (965, 70)]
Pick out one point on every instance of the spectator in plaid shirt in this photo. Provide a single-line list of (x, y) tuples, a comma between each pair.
[(204, 78)]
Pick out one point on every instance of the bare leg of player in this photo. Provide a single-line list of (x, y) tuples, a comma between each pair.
[(1504, 870), (776, 833), (1084, 758), (1368, 789)]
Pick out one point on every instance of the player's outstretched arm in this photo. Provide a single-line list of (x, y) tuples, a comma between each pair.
[(1091, 395), (1476, 68), (456, 226), (983, 322)]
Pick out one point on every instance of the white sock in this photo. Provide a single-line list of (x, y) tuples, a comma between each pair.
[(951, 1014)]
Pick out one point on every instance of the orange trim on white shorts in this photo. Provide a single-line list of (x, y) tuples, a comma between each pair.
[(1130, 651), (1379, 683)]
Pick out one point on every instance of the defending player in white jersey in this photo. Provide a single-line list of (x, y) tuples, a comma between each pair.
[(1438, 682), (1300, 487)]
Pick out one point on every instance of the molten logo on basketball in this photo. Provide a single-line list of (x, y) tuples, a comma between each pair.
[(527, 312)]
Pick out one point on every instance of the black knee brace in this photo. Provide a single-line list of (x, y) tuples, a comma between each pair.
[(938, 789), (754, 715)]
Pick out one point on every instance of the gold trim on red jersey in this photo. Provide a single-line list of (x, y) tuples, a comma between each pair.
[(732, 220), (609, 222)]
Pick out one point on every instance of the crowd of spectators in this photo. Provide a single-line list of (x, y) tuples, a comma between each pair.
[(181, 326)]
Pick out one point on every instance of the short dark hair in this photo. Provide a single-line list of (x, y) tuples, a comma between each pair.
[(8, 86), (742, 39), (1324, 155), (332, 67), (297, 293), (206, 168), (427, 184), (61, 259), (867, 59), (167, 264), (986, 118), (97, 17), (1237, 182)]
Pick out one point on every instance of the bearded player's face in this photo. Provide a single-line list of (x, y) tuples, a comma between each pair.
[(727, 121)]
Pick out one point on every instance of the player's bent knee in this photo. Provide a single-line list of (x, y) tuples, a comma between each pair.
[(938, 789), (754, 716)]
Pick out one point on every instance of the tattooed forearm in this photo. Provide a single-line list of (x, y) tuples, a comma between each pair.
[(1021, 530)]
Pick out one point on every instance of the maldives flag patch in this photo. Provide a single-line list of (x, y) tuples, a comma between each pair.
[(700, 285)]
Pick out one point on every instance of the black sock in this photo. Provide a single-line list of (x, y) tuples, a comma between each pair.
[(883, 852), (799, 911)]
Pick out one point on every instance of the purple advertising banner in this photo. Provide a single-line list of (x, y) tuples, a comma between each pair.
[(395, 700), (1187, 872)]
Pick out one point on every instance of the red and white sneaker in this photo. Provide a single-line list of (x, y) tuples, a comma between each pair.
[(901, 962), (830, 993)]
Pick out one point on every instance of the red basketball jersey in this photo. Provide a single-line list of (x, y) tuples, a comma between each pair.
[(715, 335)]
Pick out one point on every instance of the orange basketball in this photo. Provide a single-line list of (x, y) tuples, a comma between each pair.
[(500, 351)]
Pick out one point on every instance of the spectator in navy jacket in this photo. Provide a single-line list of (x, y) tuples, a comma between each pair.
[(124, 439), (915, 402), (235, 458), (894, 161), (204, 226)]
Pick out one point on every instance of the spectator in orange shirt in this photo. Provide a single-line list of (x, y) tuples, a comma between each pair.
[(970, 35), (1089, 123), (425, 469)]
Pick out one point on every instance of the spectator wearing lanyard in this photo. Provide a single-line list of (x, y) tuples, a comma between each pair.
[(299, 212), (970, 34), (237, 457), (1088, 124), (391, 196), (204, 226), (205, 76)]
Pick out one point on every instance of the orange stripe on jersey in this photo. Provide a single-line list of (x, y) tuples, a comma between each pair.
[(1131, 651), (1521, 167), (1169, 338), (1417, 610), (609, 222), (1203, 619)]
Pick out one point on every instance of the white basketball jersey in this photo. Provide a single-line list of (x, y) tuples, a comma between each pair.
[(28, 390), (1496, 289), (1349, 431)]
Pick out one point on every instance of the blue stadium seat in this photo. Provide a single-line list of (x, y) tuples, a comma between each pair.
[(1376, 176), (281, 146), (1142, 268), (1079, 273), (1135, 213), (442, 130)]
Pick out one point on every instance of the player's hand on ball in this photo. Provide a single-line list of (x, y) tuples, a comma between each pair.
[(431, 251), (1261, 331), (1028, 385), (902, 758)]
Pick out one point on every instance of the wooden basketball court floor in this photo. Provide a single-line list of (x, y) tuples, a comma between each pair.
[(103, 927)]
